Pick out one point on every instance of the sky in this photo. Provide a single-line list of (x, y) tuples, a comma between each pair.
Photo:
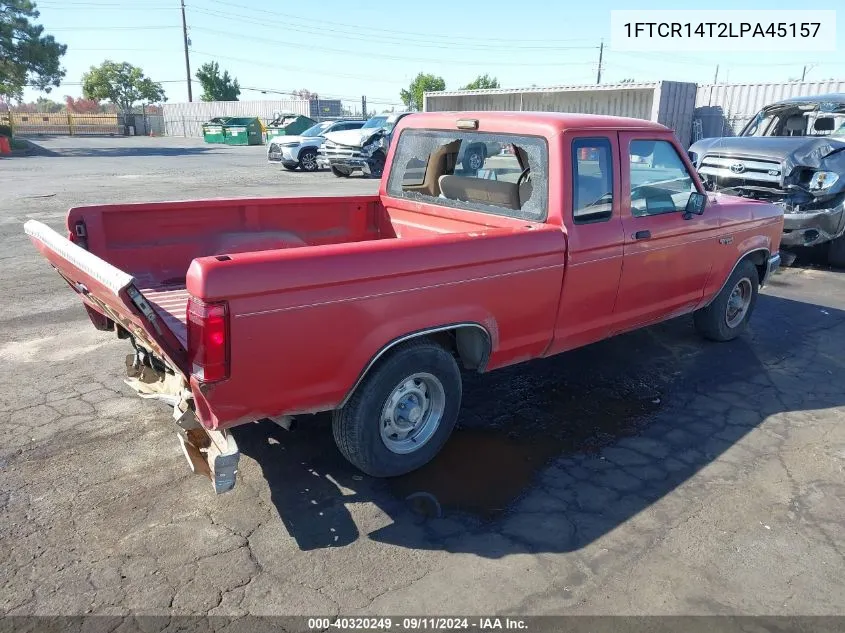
[(340, 50)]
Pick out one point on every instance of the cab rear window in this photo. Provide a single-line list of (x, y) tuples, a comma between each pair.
[(503, 174)]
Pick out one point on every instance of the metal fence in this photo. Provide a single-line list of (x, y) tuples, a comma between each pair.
[(65, 123)]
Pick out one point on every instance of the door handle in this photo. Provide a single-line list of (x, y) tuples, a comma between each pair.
[(642, 235)]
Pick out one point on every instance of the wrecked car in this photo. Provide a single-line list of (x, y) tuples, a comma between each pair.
[(368, 306), (792, 153), (301, 151), (362, 150), (365, 150)]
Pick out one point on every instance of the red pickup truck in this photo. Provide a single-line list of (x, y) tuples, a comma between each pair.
[(580, 228)]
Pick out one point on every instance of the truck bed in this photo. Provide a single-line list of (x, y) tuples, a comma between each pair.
[(171, 304)]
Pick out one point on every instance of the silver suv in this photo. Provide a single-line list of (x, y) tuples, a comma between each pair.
[(301, 151)]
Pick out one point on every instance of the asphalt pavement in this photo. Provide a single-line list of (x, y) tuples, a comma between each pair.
[(654, 473)]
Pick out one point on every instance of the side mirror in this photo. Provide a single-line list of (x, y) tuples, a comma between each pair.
[(696, 203)]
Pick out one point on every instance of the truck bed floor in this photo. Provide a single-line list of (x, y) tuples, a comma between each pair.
[(171, 304)]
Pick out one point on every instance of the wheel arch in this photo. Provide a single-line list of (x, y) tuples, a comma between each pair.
[(759, 256), (471, 341)]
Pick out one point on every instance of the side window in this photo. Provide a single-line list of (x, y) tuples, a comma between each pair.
[(660, 182), (592, 180)]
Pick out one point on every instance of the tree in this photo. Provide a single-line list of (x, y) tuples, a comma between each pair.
[(121, 83), (305, 94), (217, 87), (27, 56), (43, 104), (423, 82), (82, 106), (482, 82)]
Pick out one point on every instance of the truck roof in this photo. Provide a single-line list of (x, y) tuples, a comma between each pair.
[(552, 121)]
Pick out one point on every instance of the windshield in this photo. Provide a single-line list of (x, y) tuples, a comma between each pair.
[(376, 121), (317, 130), (799, 119)]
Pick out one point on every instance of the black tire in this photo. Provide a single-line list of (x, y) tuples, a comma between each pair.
[(377, 163), (308, 160), (357, 426), (340, 174), (712, 322), (290, 166), (836, 252), (473, 158)]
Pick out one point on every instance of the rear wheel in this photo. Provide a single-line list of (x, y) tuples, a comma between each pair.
[(728, 314), (403, 412), (308, 160), (339, 172), (836, 252)]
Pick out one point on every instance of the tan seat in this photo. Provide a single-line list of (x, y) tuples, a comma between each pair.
[(494, 192)]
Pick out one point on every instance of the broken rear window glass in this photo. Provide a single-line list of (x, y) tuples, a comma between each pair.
[(502, 174)]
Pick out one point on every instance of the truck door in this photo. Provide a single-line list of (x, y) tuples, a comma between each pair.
[(595, 239), (668, 253)]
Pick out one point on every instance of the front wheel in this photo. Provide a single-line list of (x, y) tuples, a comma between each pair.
[(339, 173), (308, 160), (376, 165), (403, 412), (728, 314)]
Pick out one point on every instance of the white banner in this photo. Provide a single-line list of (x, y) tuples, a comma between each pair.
[(715, 30)]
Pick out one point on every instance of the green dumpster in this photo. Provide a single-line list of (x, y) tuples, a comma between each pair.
[(242, 131), (288, 124), (212, 130)]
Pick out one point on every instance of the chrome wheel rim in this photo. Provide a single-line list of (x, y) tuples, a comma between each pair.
[(738, 302), (412, 413), (308, 161)]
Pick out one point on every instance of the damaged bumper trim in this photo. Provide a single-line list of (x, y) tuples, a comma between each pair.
[(814, 227), (771, 267)]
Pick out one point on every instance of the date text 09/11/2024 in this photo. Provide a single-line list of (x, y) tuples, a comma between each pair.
[(418, 623), (722, 29)]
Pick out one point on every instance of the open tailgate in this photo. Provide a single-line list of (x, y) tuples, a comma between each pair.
[(109, 291)]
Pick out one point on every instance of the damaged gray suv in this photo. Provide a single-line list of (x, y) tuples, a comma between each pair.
[(792, 153)]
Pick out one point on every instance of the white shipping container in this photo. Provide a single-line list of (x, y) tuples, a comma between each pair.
[(668, 102)]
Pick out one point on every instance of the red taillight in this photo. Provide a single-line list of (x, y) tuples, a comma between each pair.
[(208, 340)]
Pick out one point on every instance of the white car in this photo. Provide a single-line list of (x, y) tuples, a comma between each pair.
[(301, 151)]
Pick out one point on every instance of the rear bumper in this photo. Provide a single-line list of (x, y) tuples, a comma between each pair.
[(813, 227)]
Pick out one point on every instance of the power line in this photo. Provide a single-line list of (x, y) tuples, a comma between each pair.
[(113, 28), (291, 93), (425, 36), (75, 6), (293, 68), (354, 53), (383, 38)]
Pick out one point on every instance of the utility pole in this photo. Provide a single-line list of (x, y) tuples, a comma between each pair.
[(601, 54), (363, 106), (804, 72), (716, 78), (187, 58)]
